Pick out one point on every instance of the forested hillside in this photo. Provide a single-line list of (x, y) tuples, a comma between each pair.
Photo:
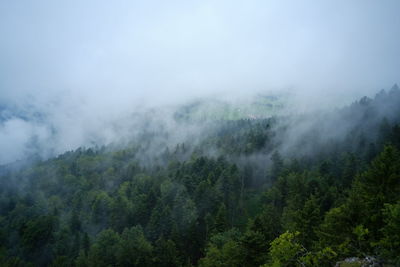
[(300, 190)]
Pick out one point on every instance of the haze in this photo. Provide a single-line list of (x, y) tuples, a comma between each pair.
[(83, 65)]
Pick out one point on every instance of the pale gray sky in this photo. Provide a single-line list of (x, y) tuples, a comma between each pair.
[(133, 49)]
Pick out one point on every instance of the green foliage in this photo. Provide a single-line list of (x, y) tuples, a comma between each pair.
[(390, 243), (285, 250), (380, 184), (166, 253), (103, 251), (133, 249), (224, 249), (231, 199), (325, 257), (221, 223), (228, 255), (37, 232), (259, 233)]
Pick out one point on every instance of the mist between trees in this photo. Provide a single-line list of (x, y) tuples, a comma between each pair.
[(289, 190)]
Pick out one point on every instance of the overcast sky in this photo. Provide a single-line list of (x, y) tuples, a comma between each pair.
[(84, 57)]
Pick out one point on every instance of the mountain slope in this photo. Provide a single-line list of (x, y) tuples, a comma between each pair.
[(307, 189)]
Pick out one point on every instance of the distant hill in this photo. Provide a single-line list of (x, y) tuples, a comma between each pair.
[(255, 107)]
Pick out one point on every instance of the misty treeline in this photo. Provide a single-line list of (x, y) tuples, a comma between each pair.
[(299, 190)]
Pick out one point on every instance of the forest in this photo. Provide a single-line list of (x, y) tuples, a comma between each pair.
[(308, 189)]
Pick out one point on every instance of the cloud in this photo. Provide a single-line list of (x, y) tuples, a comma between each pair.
[(84, 64)]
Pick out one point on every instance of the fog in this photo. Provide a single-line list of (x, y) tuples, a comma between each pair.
[(73, 73)]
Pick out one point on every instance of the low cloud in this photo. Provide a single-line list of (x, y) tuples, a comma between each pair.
[(73, 74)]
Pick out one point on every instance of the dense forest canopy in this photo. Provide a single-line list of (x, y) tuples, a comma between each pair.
[(297, 190)]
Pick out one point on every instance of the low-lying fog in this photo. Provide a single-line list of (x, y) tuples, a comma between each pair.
[(82, 73)]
